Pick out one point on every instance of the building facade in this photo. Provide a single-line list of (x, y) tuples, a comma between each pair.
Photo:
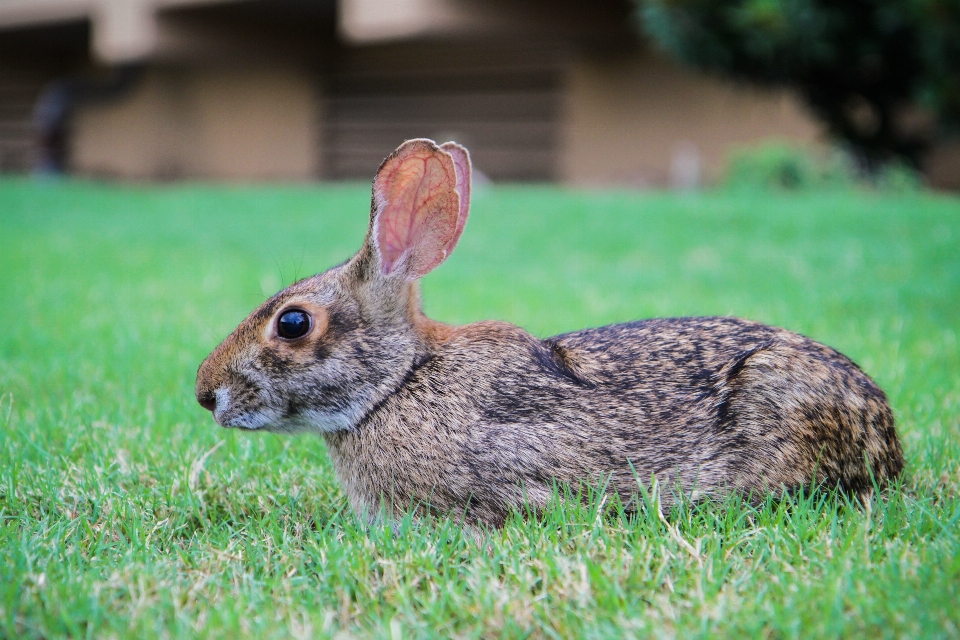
[(299, 90)]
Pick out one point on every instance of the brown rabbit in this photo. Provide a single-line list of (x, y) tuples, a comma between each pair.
[(485, 418)]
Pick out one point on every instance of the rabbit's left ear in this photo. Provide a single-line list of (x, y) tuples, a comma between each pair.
[(421, 199)]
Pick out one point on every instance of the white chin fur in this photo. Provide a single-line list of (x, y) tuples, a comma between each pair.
[(328, 422), (313, 422)]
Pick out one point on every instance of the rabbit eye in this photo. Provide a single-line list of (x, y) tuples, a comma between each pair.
[(293, 324)]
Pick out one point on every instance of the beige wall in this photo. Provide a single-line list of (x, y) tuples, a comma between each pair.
[(637, 120), (235, 124)]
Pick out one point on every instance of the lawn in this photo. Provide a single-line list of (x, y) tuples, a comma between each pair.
[(126, 512)]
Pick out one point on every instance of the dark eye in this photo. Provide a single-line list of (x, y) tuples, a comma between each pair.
[(293, 324)]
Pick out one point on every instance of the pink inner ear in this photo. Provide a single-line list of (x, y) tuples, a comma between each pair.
[(461, 161), (417, 208)]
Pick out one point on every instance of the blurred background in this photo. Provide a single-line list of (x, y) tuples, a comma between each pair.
[(601, 93)]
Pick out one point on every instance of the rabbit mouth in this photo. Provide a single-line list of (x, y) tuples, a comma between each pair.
[(228, 415)]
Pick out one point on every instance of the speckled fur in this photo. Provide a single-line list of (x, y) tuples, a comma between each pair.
[(477, 420)]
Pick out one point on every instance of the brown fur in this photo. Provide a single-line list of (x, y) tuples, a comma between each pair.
[(481, 419)]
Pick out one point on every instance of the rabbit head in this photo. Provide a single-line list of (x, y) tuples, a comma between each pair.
[(322, 353)]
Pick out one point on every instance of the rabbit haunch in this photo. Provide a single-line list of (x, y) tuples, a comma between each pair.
[(481, 419)]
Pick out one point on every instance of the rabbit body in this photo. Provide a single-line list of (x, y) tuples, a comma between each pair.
[(482, 419), (489, 419)]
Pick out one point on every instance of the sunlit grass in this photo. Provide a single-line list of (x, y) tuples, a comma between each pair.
[(124, 511)]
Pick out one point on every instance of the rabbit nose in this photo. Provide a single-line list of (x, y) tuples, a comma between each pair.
[(208, 401)]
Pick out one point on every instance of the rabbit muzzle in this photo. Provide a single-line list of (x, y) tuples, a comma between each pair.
[(239, 403), (233, 393)]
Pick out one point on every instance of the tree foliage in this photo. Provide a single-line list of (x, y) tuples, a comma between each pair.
[(884, 75)]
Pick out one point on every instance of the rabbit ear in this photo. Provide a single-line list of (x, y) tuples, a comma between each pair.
[(417, 207), (461, 162)]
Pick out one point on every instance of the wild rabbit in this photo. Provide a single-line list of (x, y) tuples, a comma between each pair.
[(482, 419)]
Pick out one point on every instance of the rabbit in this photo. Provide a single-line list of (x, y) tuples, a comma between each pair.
[(482, 420)]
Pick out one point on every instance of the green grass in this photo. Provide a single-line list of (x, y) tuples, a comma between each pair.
[(125, 512)]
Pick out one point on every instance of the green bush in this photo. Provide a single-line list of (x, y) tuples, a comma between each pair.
[(788, 167), (897, 176), (855, 63)]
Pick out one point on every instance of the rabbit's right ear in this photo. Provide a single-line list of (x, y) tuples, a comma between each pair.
[(421, 199)]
